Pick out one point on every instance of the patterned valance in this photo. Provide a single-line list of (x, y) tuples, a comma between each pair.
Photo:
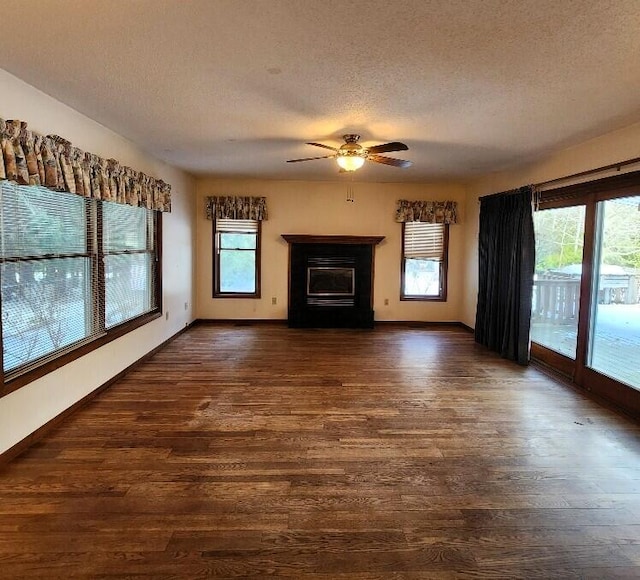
[(232, 207), (31, 159), (433, 212)]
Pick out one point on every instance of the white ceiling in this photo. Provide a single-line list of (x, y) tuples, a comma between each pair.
[(235, 88)]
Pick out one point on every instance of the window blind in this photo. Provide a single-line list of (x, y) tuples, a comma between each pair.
[(236, 226), (424, 241), (48, 259)]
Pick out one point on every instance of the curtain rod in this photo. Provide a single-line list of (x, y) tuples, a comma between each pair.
[(617, 166)]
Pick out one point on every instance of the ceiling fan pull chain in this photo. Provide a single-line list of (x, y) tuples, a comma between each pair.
[(350, 198)]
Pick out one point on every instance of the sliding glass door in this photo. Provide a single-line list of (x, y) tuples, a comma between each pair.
[(614, 337), (556, 287), (586, 297)]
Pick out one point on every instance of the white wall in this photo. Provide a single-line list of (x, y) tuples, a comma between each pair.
[(605, 150), (28, 408), (297, 207)]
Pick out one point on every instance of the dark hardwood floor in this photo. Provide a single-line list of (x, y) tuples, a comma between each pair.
[(261, 451)]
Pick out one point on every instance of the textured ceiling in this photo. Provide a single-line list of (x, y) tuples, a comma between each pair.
[(234, 88)]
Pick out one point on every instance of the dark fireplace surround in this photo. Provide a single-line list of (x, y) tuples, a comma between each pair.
[(331, 281)]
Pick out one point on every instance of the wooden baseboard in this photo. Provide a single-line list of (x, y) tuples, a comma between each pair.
[(240, 321), (283, 321), (417, 324), (20, 447), (397, 323)]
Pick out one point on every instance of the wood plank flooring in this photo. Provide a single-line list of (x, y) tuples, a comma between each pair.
[(262, 451)]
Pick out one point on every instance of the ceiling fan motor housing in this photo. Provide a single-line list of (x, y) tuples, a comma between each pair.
[(351, 146)]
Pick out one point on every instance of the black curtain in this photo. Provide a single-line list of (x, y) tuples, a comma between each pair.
[(506, 249)]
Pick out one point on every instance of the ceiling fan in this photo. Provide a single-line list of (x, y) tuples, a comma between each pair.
[(351, 155)]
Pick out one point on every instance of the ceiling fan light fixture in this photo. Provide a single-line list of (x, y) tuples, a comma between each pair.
[(350, 162)]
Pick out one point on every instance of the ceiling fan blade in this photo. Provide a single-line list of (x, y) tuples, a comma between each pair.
[(390, 161), (387, 147), (310, 158), (323, 146)]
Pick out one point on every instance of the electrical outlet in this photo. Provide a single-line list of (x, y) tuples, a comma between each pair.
[(274, 300), (166, 315), (386, 302), (186, 306)]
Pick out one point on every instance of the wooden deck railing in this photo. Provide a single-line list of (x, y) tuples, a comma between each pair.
[(556, 299)]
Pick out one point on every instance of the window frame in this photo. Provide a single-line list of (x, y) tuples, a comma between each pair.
[(444, 267), (217, 293), (94, 251)]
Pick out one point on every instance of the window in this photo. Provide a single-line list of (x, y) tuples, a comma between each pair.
[(236, 258), (129, 262), (424, 261), (73, 271)]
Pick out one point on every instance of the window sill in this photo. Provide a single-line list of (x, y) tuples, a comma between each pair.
[(239, 295), (423, 298)]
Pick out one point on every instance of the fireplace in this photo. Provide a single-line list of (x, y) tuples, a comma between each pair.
[(331, 281)]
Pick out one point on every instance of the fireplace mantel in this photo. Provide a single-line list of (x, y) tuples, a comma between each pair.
[(311, 239), (351, 308)]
